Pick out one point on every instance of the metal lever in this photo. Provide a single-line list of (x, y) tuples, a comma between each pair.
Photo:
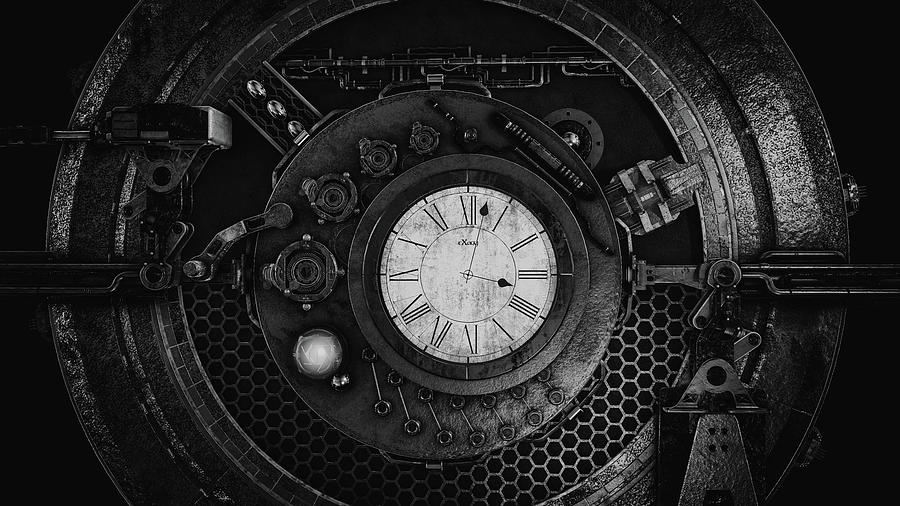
[(783, 278), (203, 266), (42, 278), (720, 275), (35, 273)]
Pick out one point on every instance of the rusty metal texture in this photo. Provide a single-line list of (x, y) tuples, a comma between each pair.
[(718, 74)]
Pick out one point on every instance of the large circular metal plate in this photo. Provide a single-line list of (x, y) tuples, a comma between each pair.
[(567, 348), (180, 395)]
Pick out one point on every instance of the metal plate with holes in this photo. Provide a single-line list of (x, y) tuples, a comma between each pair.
[(647, 354)]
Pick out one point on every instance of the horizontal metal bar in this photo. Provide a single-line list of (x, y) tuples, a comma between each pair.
[(433, 62), (65, 278)]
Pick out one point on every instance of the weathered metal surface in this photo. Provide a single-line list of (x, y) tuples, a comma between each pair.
[(718, 73)]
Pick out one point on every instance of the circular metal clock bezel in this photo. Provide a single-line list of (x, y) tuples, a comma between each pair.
[(428, 287), (483, 171)]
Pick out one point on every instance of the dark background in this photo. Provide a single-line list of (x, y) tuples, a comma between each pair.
[(846, 55)]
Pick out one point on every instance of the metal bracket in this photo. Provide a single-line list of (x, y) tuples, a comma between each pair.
[(715, 381), (779, 274), (280, 113), (203, 266), (717, 470), (34, 273)]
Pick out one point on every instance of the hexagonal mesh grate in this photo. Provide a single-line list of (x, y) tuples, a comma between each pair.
[(643, 356)]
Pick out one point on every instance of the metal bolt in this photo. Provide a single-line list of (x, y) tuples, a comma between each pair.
[(412, 426), (544, 376), (445, 437), (534, 417), (368, 354), (256, 89), (556, 396), (194, 269), (425, 394), (295, 128), (394, 379), (572, 139), (276, 109), (340, 382), (383, 408), (457, 402)]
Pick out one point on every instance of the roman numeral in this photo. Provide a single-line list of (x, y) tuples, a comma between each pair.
[(411, 314), (524, 242), (533, 274), (502, 329), (397, 275), (413, 242), (437, 338), (437, 218), (523, 306), (469, 213), (500, 218), (472, 338)]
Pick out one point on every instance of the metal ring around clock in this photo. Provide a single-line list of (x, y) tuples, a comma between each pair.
[(476, 170)]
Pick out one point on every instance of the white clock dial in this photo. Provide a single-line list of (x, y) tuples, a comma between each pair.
[(468, 274)]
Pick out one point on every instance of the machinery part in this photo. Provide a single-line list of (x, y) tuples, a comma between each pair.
[(359, 411), (812, 280), (319, 354), (280, 113), (333, 197), (203, 266), (340, 382), (580, 131), (166, 125), (815, 449), (164, 274), (705, 125), (455, 65), (565, 240), (21, 276), (543, 156), (35, 272), (436, 81), (167, 140), (721, 275), (377, 158), (717, 471), (853, 193), (782, 273), (161, 125), (747, 341), (715, 387), (651, 194), (21, 135), (305, 271), (423, 140)]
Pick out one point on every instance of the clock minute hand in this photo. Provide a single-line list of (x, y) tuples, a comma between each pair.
[(483, 211)]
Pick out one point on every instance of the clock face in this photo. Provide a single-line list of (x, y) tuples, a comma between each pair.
[(468, 274)]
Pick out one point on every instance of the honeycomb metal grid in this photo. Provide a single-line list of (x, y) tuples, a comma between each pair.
[(643, 356)]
